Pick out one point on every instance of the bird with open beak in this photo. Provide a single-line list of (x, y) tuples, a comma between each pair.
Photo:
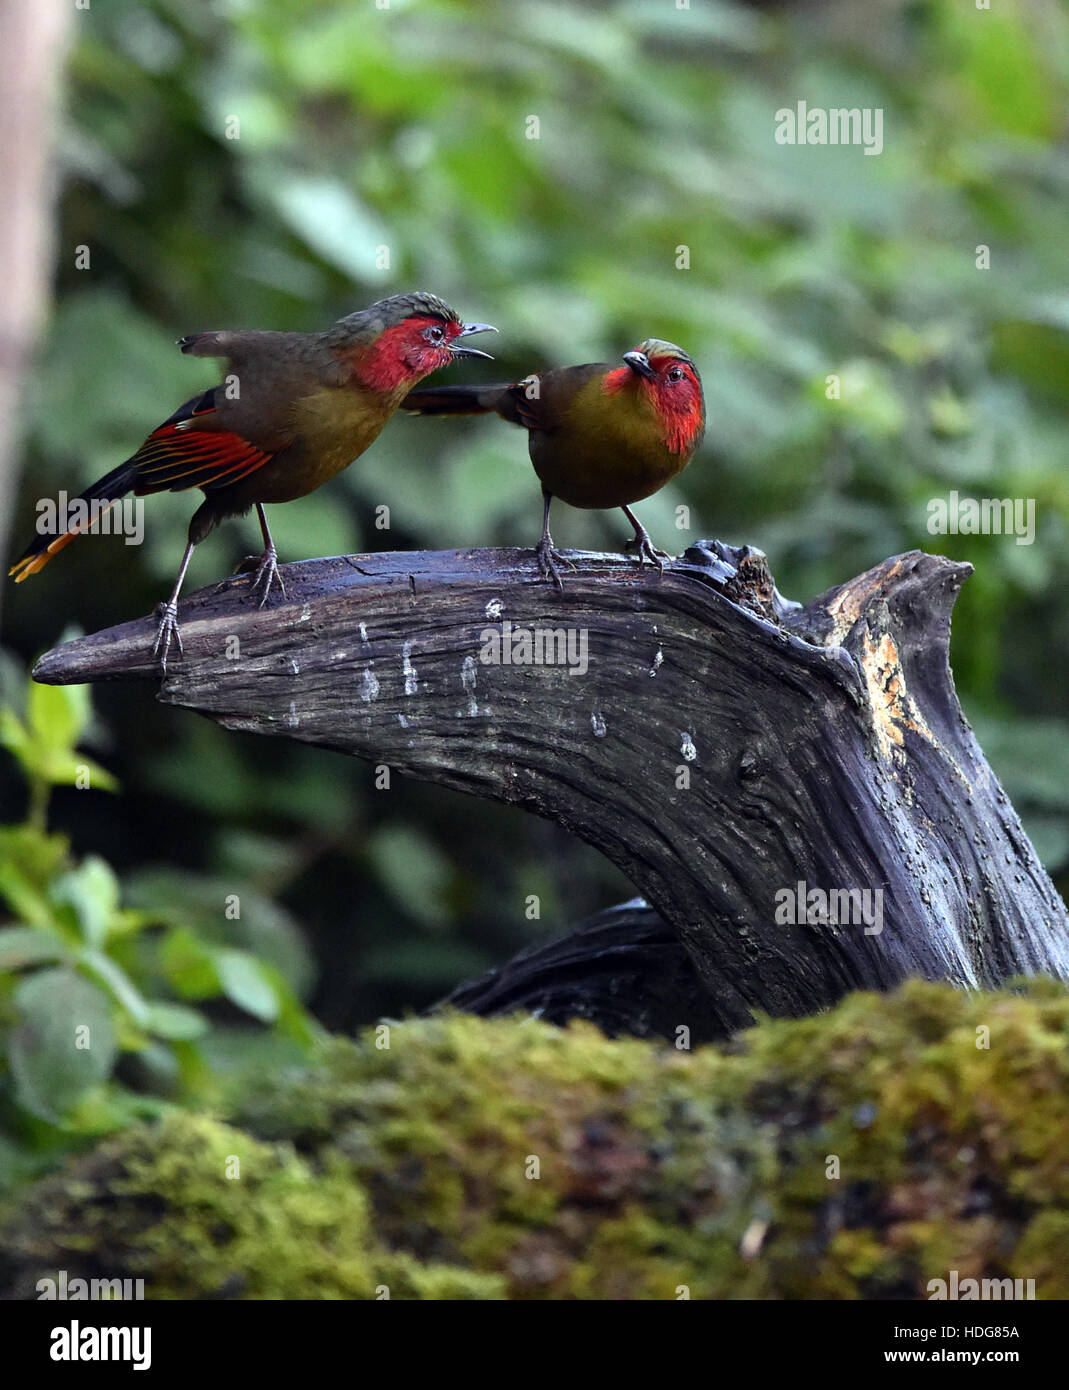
[(294, 410)]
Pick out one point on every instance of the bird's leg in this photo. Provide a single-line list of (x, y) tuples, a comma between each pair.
[(267, 572), (167, 631), (646, 548), (548, 556)]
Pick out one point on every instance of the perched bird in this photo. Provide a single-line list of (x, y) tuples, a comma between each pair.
[(294, 409), (599, 436)]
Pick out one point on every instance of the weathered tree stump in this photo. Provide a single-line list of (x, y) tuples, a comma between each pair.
[(732, 752), (623, 969)]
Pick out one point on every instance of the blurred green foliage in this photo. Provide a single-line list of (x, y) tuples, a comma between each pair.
[(97, 1019), (242, 164)]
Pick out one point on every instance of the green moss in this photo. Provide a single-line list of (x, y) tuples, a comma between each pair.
[(508, 1159)]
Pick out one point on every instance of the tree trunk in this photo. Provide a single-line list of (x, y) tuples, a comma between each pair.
[(623, 969), (32, 41), (736, 755)]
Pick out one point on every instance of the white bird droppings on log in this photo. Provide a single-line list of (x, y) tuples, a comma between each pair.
[(408, 670), (468, 678)]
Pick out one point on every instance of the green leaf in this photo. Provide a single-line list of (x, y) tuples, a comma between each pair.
[(37, 855), (29, 860), (189, 965), (175, 1022), (225, 912), (246, 984), (23, 897), (45, 745), (118, 982), (67, 768), (63, 1044), (58, 715), (14, 734), (22, 946), (93, 891)]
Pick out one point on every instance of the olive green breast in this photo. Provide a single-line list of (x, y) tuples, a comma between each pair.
[(332, 427), (599, 450)]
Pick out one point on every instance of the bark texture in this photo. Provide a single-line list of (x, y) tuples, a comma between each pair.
[(730, 751)]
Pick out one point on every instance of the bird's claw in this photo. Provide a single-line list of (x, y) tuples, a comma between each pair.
[(267, 574), (646, 550), (167, 632), (548, 559)]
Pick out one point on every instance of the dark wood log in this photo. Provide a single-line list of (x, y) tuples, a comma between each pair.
[(722, 746), (623, 969)]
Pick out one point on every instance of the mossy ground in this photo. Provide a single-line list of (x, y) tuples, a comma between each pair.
[(505, 1158)]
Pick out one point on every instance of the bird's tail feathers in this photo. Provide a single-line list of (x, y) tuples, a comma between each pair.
[(106, 492), (455, 400)]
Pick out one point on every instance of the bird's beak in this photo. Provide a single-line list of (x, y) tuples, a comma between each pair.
[(640, 363), (466, 332)]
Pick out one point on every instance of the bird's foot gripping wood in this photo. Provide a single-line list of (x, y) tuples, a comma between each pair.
[(549, 558), (646, 550), (268, 571), (167, 631), (268, 574), (643, 545), (265, 573)]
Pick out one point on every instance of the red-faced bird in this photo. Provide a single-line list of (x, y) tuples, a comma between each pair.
[(599, 435), (294, 410)]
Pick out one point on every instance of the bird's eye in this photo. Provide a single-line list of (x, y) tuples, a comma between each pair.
[(434, 334), (676, 374)]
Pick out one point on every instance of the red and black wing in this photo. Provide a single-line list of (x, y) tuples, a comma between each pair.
[(175, 456)]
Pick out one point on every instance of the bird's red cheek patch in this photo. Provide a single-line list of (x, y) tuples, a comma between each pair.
[(615, 382), (400, 356), (680, 407), (683, 421), (681, 431)]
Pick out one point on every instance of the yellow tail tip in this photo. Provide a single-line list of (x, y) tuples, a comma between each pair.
[(30, 564)]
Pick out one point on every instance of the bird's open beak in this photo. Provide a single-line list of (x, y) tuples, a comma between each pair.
[(466, 332), (640, 363)]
